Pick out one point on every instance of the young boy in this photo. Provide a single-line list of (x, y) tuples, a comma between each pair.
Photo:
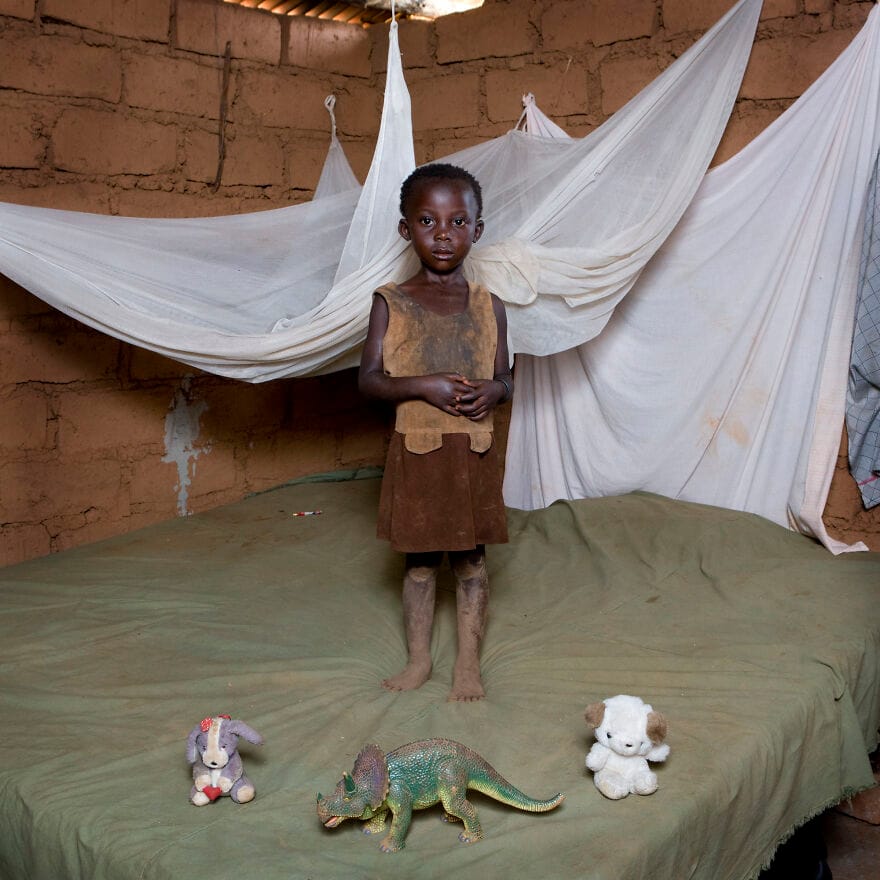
[(437, 348)]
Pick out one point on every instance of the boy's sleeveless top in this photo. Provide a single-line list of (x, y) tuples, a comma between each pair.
[(419, 342)]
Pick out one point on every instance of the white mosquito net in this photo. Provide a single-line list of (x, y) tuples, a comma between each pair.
[(287, 292), (722, 377), (718, 378)]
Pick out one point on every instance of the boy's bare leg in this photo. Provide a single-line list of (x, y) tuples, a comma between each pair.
[(472, 602), (419, 588)]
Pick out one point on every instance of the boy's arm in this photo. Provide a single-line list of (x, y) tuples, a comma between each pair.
[(486, 394), (442, 390), (502, 372)]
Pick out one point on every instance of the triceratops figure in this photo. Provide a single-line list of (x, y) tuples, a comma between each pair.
[(416, 776)]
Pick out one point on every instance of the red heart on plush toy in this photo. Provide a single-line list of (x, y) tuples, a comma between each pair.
[(212, 792)]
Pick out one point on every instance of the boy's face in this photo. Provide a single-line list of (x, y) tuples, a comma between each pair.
[(441, 223)]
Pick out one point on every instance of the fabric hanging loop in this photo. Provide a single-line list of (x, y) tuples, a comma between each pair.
[(336, 174)]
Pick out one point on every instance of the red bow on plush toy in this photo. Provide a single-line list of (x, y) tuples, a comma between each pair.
[(206, 723)]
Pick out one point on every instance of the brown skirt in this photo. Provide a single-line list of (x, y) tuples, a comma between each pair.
[(448, 499)]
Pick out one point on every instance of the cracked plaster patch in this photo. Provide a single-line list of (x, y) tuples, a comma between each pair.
[(181, 434)]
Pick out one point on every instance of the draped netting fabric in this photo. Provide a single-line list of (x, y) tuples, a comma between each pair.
[(718, 378), (722, 377), (287, 292)]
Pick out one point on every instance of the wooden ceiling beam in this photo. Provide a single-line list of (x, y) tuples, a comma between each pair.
[(359, 12)]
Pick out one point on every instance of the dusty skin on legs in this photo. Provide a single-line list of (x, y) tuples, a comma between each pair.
[(419, 589), (472, 603)]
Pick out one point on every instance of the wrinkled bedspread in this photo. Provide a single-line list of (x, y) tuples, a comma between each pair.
[(760, 647)]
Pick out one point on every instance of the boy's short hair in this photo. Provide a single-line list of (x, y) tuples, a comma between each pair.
[(439, 171)]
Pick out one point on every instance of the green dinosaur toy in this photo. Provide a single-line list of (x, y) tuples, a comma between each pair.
[(416, 776)]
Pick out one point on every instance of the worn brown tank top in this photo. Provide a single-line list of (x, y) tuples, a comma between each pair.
[(419, 342)]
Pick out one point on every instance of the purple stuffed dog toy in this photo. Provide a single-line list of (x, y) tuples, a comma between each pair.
[(212, 749)]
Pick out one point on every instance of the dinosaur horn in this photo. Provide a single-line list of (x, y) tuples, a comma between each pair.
[(350, 787)]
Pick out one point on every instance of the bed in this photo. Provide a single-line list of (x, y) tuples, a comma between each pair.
[(760, 647)]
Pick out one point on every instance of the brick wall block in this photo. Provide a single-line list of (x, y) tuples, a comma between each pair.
[(364, 440), (205, 26), (559, 91), (97, 142), (305, 160), (450, 103), (201, 151), (746, 123), (290, 455), (16, 303), (359, 155), (25, 417), (111, 421), (784, 67), (358, 110), (415, 39), (438, 149), (331, 46), (139, 19), (852, 16), (176, 85), (215, 470), (144, 515), (97, 524), (779, 9), (62, 354), (152, 483), (199, 503), (239, 408), (496, 31), (692, 15), (576, 24), (53, 489), (255, 159), (146, 364), (281, 99), (18, 8), (21, 146), (77, 196), (322, 400), (49, 65), (815, 7), (157, 203), (22, 541), (624, 78)]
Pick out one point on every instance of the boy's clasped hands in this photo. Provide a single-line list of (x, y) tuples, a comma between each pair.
[(460, 396)]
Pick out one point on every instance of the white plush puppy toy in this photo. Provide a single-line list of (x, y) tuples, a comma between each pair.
[(629, 733)]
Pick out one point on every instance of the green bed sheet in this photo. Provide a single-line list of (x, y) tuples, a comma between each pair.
[(760, 647)]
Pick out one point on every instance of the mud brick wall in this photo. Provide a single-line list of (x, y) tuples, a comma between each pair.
[(114, 106)]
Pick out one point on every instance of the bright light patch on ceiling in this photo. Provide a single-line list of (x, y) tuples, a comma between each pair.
[(435, 8), (362, 12)]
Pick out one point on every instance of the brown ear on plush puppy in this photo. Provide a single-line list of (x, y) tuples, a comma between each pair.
[(656, 727), (595, 712)]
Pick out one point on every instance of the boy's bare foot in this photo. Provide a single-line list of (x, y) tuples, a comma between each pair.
[(413, 676), (467, 686)]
